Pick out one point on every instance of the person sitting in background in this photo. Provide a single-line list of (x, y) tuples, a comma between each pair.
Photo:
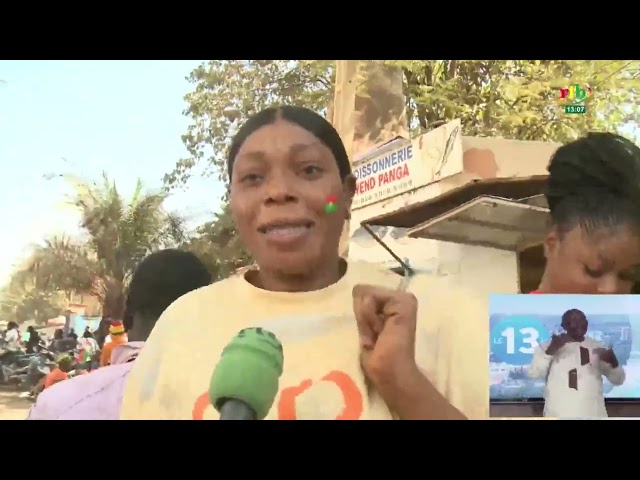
[(95, 360), (58, 334), (159, 280), (88, 347), (33, 342), (62, 344), (101, 334), (11, 348), (61, 372), (73, 335), (118, 337), (12, 338)]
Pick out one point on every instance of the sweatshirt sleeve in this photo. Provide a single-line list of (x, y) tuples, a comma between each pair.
[(459, 346), (541, 361), (468, 369)]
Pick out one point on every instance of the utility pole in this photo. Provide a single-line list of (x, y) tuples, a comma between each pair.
[(368, 110), (344, 101), (344, 104)]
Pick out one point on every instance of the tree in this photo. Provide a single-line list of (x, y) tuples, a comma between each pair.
[(62, 265), (22, 301), (228, 91), (218, 246), (518, 99), (507, 98), (117, 236), (42, 287)]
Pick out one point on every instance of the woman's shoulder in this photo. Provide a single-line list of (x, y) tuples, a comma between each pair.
[(195, 297), (197, 307)]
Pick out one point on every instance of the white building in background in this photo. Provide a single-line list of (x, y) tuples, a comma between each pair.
[(456, 207)]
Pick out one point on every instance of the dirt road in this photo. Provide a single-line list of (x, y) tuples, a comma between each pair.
[(12, 407)]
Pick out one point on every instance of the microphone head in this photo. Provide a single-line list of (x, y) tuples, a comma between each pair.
[(249, 370)]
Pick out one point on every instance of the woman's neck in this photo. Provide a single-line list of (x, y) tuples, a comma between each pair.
[(545, 285), (277, 281)]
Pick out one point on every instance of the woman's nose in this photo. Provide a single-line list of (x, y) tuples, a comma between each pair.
[(279, 189)]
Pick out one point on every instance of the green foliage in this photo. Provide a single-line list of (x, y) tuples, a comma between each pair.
[(117, 236), (21, 300), (122, 233), (59, 265), (228, 91), (518, 98), (218, 246), (505, 98), (499, 98)]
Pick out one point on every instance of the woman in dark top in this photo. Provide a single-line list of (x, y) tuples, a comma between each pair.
[(593, 193), (33, 344)]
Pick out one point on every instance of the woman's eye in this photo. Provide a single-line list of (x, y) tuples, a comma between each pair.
[(628, 276), (311, 170), (250, 178), (592, 273)]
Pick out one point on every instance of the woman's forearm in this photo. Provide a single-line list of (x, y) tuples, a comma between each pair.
[(418, 399)]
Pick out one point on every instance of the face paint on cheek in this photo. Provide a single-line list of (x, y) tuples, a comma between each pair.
[(331, 206)]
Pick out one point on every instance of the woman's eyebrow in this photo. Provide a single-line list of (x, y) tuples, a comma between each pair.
[(256, 156), (299, 147), (260, 155)]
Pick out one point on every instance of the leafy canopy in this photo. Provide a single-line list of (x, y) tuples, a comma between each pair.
[(504, 98), (499, 98), (117, 234)]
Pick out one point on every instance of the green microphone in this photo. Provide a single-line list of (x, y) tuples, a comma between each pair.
[(244, 384)]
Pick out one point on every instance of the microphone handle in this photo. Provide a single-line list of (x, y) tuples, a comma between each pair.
[(233, 409)]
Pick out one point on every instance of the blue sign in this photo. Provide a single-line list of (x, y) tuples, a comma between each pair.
[(514, 339)]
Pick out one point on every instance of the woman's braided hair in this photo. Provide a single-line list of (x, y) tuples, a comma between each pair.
[(594, 182)]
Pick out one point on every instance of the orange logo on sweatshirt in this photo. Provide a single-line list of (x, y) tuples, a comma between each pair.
[(353, 400)]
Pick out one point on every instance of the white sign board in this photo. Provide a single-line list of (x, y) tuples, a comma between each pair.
[(404, 165)]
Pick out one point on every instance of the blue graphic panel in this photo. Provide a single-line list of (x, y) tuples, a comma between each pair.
[(519, 323), (514, 338)]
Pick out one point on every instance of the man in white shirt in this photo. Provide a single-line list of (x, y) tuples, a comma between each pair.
[(12, 337), (573, 365)]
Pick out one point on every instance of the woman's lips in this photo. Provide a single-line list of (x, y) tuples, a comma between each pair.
[(286, 235)]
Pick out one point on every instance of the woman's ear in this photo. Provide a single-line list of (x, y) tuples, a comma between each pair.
[(348, 191), (551, 242)]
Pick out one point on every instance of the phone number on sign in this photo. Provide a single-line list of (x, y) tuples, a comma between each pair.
[(385, 192)]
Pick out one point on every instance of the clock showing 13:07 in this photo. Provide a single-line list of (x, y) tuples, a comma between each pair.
[(514, 339)]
